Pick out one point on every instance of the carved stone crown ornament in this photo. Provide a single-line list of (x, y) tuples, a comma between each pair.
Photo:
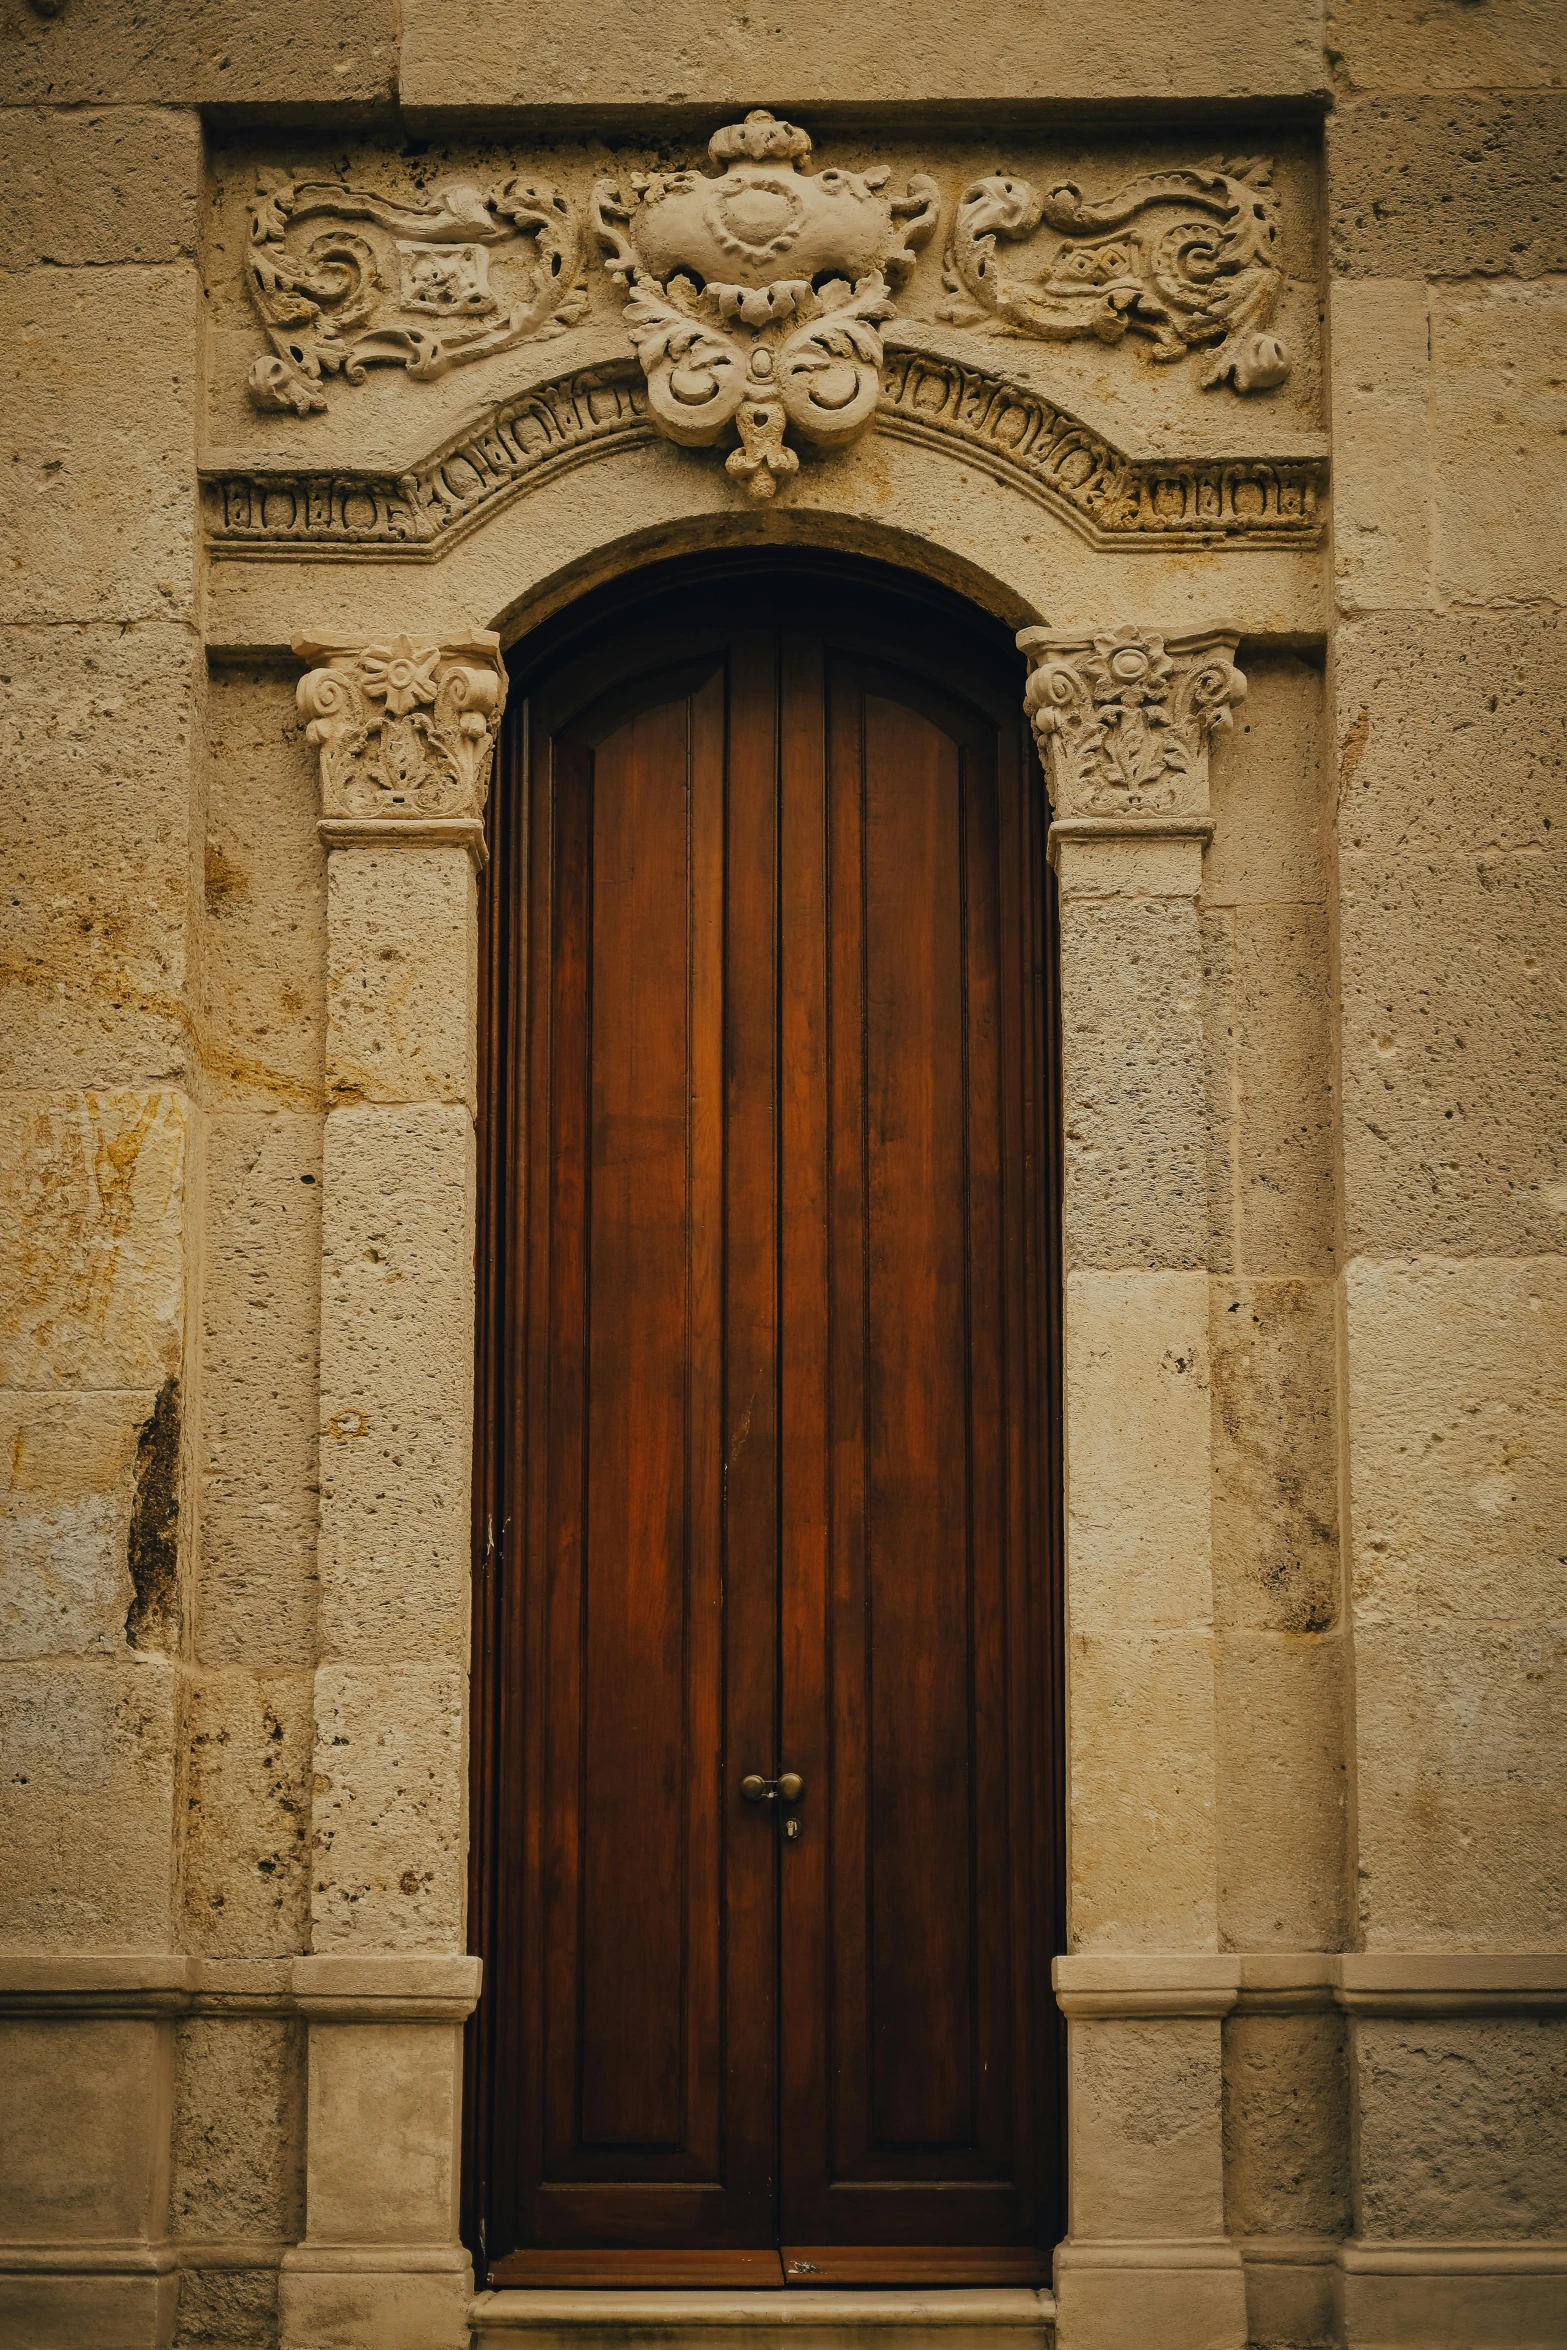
[(753, 298), (1124, 720), (415, 292), (405, 729), (1184, 257)]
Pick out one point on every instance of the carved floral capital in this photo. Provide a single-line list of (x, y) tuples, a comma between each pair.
[(1124, 719), (405, 728)]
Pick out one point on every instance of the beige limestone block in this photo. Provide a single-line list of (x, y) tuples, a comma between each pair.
[(1286, 2125), (1461, 1810), (92, 1189), (402, 974), (1279, 1701), (1435, 45), (96, 737), (1144, 2102), (226, 2306), (248, 1767), (87, 1804), (65, 1585), (206, 53), (477, 52), (114, 183), (1275, 1465), (390, 1810), (1142, 1842), (1499, 440), (1132, 1079), (84, 2128), (238, 2138), (396, 1383), (99, 391), (1282, 1013), (1464, 184), (264, 968), (383, 2162), (1266, 790), (1217, 932), (1462, 2127), (261, 1313), (1382, 452), (1452, 932), (1457, 1475), (1138, 1407)]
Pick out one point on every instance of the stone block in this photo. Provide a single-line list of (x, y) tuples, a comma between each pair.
[(1279, 1702), (92, 1185), (208, 53), (261, 1310), (96, 735), (1217, 932), (344, 2308), (84, 2128), (248, 1749), (1286, 2125), (1145, 2101), (238, 2137), (1462, 2127), (1382, 449), (1452, 932), (1119, 2297), (1132, 1078), (123, 2309), (226, 2308), (1467, 185), (402, 975), (100, 390), (476, 53), (1142, 1852), (65, 1583), (390, 1809), (384, 2133), (1275, 1462), (1266, 790), (1137, 1444), (1282, 1014), (396, 1383), (1498, 423), (1437, 45), (87, 1804), (264, 976), (114, 184)]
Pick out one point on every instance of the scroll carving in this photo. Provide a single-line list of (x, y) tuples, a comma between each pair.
[(405, 728), (753, 299), (424, 286), (1124, 720), (1182, 257)]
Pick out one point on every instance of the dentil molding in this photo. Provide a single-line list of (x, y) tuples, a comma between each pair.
[(405, 730), (1124, 719)]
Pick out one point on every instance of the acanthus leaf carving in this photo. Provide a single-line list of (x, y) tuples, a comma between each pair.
[(1124, 719), (753, 299), (1183, 257), (404, 727), (416, 292)]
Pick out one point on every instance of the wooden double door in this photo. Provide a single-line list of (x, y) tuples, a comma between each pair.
[(767, 1872)]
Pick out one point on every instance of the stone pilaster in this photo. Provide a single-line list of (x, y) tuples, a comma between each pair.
[(405, 731), (1124, 719)]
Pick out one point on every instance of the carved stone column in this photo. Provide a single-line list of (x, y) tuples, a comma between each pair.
[(1124, 721), (405, 732)]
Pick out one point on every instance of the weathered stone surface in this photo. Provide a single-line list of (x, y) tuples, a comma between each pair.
[(1283, 1099), (1436, 45), (1382, 458), (256, 1580), (94, 1283), (96, 728), (384, 2136), (227, 2308), (81, 2126), (238, 2127), (1279, 1708), (99, 391), (1455, 186), (248, 1741), (1275, 1465), (1498, 425), (390, 1808), (1266, 788), (1286, 2125), (65, 1585), (402, 974), (1141, 1762), (1452, 796), (1145, 2102), (113, 184), (1463, 2127), (211, 53)]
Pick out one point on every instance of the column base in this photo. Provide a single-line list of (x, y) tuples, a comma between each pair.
[(1414, 2296), (87, 2297), (374, 2297), (1129, 2296)]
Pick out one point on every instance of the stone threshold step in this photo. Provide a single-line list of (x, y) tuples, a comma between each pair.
[(981, 2317)]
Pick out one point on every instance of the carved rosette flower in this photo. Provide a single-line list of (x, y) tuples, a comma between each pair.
[(404, 728), (1124, 719)]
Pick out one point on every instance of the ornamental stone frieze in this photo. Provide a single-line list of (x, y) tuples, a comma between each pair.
[(1124, 719), (405, 731), (753, 299)]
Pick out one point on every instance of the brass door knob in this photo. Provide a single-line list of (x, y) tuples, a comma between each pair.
[(788, 1788), (791, 1786)]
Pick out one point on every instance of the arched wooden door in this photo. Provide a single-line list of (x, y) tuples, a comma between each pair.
[(768, 1475)]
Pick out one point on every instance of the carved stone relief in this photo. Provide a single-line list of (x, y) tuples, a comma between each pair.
[(405, 728), (415, 292), (753, 298), (1124, 720), (1182, 257)]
